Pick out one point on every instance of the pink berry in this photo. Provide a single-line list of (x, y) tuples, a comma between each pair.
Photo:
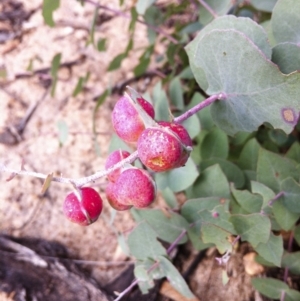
[(83, 207), (111, 160), (126, 120), (159, 150), (111, 198), (135, 187), (184, 137)]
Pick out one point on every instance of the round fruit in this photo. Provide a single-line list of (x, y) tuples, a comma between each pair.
[(114, 158), (159, 149), (83, 207), (135, 187), (184, 136), (126, 120), (111, 197)]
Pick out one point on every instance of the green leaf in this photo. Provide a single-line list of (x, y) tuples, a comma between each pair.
[(285, 21), (169, 197), (292, 295), (192, 125), (101, 44), (143, 244), (220, 7), (272, 169), (78, 87), (272, 250), (287, 57), (191, 208), (54, 69), (116, 62), (177, 179), (264, 5), (249, 155), (297, 234), (252, 203), (174, 277), (212, 182), (63, 132), (269, 287), (215, 145), (244, 25), (254, 228), (284, 217), (143, 5), (291, 196), (168, 226), (49, 6), (176, 94), (292, 262), (244, 109), (134, 17), (261, 189), (161, 104), (231, 171), (294, 152)]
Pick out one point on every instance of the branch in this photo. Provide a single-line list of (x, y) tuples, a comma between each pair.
[(92, 178), (122, 14), (208, 8)]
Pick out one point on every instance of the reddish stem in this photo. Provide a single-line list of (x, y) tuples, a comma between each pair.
[(208, 8)]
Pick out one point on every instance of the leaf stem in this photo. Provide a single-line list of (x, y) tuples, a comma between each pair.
[(276, 197), (124, 15), (208, 101), (208, 8)]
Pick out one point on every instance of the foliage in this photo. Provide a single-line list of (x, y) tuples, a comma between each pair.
[(242, 178)]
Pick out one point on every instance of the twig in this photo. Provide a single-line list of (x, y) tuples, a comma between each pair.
[(208, 8), (153, 267), (199, 107), (122, 14), (92, 178)]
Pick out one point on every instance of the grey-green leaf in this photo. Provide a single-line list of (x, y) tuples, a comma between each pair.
[(287, 57), (143, 244), (215, 145), (292, 262), (264, 5), (269, 287), (256, 92), (272, 250), (168, 226), (174, 277), (254, 228), (286, 22)]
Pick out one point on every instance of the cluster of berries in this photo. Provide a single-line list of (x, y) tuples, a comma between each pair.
[(161, 146)]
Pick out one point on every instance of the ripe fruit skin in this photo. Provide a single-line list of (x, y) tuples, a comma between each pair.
[(184, 137), (159, 150), (112, 200), (85, 212), (135, 187), (126, 120), (112, 159)]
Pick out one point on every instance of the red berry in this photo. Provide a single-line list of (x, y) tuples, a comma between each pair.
[(159, 150), (135, 187), (111, 197), (111, 160), (126, 120), (184, 137), (83, 207)]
